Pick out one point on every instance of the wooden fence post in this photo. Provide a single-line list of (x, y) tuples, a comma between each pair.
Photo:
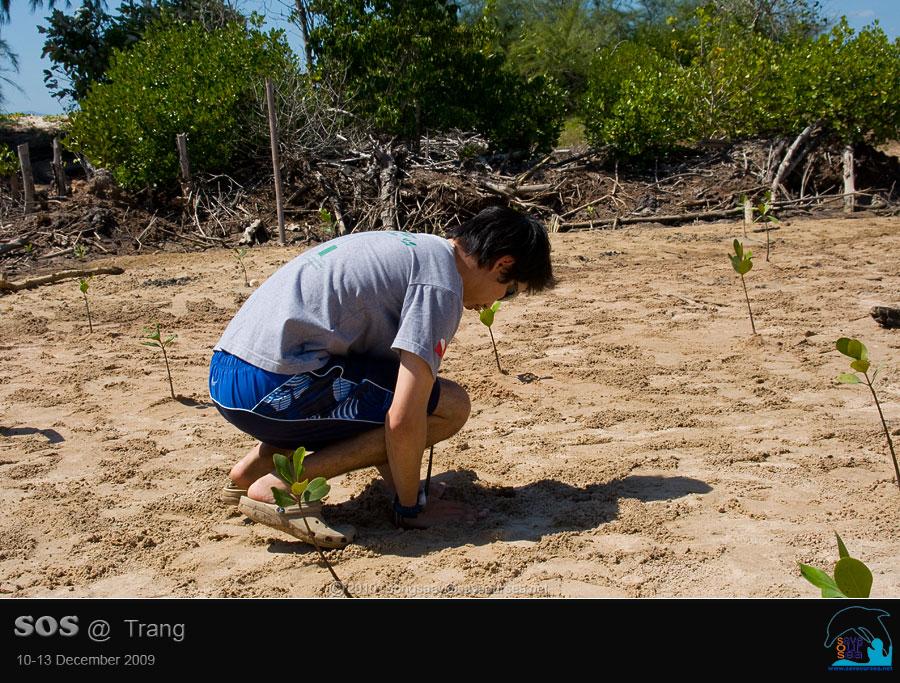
[(27, 177), (273, 135), (849, 180), (184, 161), (59, 172)]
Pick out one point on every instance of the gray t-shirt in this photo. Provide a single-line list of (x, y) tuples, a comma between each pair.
[(370, 293)]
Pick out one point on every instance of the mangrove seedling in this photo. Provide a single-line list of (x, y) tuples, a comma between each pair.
[(742, 262), (239, 254), (155, 339), (80, 251), (302, 492), (852, 578), (766, 217), (327, 220), (83, 285), (855, 349), (487, 317)]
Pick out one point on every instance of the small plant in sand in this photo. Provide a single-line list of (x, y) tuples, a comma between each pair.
[(855, 349), (80, 251), (239, 254), (83, 285), (852, 578), (766, 217), (742, 262), (327, 221), (154, 338), (29, 249), (302, 492), (487, 317)]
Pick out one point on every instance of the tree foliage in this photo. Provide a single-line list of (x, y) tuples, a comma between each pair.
[(180, 78), (715, 79), (413, 66), (80, 44)]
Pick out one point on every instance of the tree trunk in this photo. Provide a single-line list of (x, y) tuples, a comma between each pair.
[(303, 16)]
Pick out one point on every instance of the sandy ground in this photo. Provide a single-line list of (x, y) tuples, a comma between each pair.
[(663, 451)]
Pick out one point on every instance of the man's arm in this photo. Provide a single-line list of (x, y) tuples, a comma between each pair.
[(406, 425)]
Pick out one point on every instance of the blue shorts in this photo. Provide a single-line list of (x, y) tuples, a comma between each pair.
[(348, 396)]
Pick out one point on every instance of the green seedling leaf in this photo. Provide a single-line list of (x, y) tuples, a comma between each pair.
[(150, 334), (821, 580), (299, 457), (487, 315), (283, 468), (318, 488), (853, 578), (853, 348), (83, 285), (282, 498), (738, 249), (298, 487), (842, 549), (848, 378), (860, 365)]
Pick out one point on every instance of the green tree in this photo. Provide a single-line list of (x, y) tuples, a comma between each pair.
[(412, 65), (181, 78), (80, 44)]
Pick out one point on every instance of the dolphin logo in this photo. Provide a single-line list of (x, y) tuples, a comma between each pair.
[(864, 622)]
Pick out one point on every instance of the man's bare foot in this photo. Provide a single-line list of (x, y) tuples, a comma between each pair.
[(261, 489), (257, 463)]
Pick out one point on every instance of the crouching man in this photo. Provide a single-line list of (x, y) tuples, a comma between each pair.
[(339, 352)]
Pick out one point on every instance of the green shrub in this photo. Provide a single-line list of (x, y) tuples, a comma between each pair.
[(80, 44), (412, 66), (9, 161), (181, 78), (849, 82), (717, 80), (639, 101)]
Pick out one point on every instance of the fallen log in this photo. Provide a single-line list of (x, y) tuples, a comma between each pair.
[(7, 286), (677, 218)]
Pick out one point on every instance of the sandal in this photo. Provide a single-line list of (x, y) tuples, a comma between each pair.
[(291, 521), (231, 494)]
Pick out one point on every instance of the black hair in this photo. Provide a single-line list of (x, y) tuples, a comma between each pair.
[(499, 231)]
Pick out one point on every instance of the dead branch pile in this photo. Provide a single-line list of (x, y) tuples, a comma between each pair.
[(341, 182)]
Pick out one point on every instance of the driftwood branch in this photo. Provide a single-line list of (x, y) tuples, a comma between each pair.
[(514, 191), (7, 286), (12, 245), (789, 162), (676, 218)]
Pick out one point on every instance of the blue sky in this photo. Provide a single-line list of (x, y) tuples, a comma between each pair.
[(22, 35)]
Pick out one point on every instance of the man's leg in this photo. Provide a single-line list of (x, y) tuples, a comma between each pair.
[(363, 450)]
